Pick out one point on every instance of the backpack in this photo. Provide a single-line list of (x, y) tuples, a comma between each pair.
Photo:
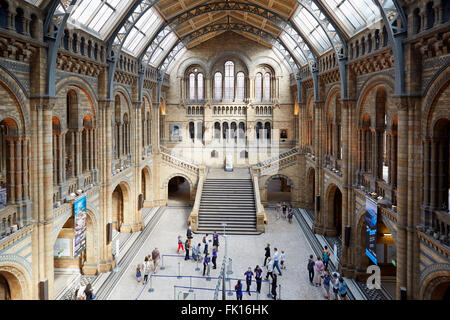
[(326, 255), (311, 265), (154, 255)]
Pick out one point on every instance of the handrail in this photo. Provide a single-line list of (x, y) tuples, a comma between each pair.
[(193, 217), (281, 156), (259, 207)]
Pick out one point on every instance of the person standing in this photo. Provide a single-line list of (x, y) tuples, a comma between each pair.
[(187, 246), (335, 283), (238, 289), (342, 289), (146, 269), (189, 234), (180, 244), (278, 210), (276, 259), (326, 257), (267, 254), (311, 265), (214, 257), (89, 292), (274, 287), (284, 207), (155, 258), (205, 242), (269, 268), (283, 260), (318, 269), (216, 240), (248, 278), (206, 262), (258, 278), (326, 283), (138, 273)]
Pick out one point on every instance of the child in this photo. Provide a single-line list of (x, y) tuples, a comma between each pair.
[(180, 244), (138, 273), (282, 260), (326, 283)]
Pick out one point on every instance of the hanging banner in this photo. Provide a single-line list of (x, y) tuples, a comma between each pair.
[(80, 226), (371, 230)]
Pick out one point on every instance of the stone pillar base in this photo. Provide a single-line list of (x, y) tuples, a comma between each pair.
[(90, 270), (317, 229), (106, 266)]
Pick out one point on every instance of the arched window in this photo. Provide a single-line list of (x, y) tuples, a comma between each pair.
[(218, 86), (191, 130), (217, 130), (192, 86), (267, 86), (240, 84), (258, 87), (229, 80), (200, 86)]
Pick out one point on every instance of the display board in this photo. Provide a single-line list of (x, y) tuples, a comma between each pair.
[(371, 230), (80, 226)]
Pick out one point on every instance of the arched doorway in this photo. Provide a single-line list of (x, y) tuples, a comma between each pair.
[(278, 189), (5, 292), (334, 220), (178, 190), (145, 184), (119, 201), (441, 291), (311, 188), (11, 285)]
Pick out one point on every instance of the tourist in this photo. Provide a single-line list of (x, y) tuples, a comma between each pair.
[(238, 289), (180, 244), (248, 278), (214, 257), (326, 283), (269, 268), (267, 254), (318, 269), (216, 240), (258, 277), (274, 287), (146, 269), (326, 257), (155, 258), (187, 246), (284, 207), (342, 289), (189, 234), (138, 273), (278, 210), (89, 292), (290, 215), (311, 265), (206, 265), (205, 242), (283, 260), (276, 258), (335, 283), (199, 257)]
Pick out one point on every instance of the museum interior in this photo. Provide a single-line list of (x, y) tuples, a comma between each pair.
[(113, 113)]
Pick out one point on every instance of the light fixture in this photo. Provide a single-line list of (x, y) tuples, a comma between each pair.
[(387, 234)]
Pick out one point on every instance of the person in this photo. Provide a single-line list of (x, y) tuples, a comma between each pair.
[(342, 289), (155, 258), (290, 215), (284, 207), (282, 260), (146, 269), (206, 262), (189, 234), (258, 278), (205, 242), (187, 246), (326, 283), (198, 257), (138, 273), (248, 278), (214, 257), (274, 287), (276, 258), (79, 293), (318, 269), (238, 289), (326, 257), (89, 292), (267, 254), (269, 268), (311, 265), (180, 244), (278, 210), (216, 240), (335, 284)]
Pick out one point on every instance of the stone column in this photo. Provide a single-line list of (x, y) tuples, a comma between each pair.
[(426, 176), (18, 147), (433, 182), (12, 177), (441, 178)]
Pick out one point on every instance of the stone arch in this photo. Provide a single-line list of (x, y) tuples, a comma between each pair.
[(334, 91), (146, 177), (121, 204), (166, 181), (187, 179), (90, 265), (310, 186), (235, 55), (122, 92), (275, 65), (19, 281), (187, 63), (434, 279), (289, 183), (333, 210), (83, 85), (14, 111)]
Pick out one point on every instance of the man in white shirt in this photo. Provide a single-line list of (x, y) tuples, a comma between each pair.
[(269, 268), (276, 258)]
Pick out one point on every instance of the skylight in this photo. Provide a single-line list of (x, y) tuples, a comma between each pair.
[(293, 48), (163, 49)]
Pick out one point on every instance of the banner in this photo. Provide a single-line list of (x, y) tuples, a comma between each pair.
[(371, 230), (80, 226)]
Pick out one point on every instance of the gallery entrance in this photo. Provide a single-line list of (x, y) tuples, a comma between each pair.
[(178, 190)]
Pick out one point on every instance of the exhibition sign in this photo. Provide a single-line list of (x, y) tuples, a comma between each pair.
[(80, 226), (371, 230)]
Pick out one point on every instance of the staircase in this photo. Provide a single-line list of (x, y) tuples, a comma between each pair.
[(228, 198)]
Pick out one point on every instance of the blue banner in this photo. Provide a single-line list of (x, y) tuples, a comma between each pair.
[(80, 226), (371, 230)]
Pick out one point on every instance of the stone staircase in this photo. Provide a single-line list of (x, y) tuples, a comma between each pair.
[(228, 198)]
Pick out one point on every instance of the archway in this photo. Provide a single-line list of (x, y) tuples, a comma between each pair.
[(311, 188), (119, 206), (10, 286), (145, 184), (334, 212), (441, 291), (178, 190), (5, 291), (278, 189)]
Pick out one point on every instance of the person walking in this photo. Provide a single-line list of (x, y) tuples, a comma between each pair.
[(284, 208), (138, 273), (326, 257), (206, 262), (238, 289), (155, 258), (248, 278), (269, 268), (318, 269), (89, 292), (283, 260), (214, 257), (342, 289), (189, 234), (146, 269), (335, 283), (267, 253), (205, 242), (326, 283), (274, 287), (216, 240), (278, 210), (276, 259), (258, 278), (187, 246), (290, 215), (180, 244), (310, 267)]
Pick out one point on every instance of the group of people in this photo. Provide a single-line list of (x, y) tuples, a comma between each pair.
[(285, 210), (146, 266), (84, 293), (319, 274)]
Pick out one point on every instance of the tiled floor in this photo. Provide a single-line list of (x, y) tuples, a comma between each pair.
[(244, 251)]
